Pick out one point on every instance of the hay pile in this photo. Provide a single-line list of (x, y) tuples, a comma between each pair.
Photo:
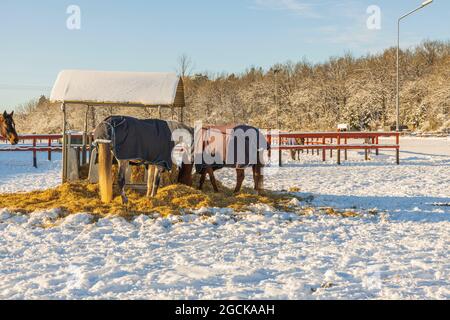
[(172, 199)]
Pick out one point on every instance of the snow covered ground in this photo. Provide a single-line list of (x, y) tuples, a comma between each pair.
[(18, 173), (400, 252)]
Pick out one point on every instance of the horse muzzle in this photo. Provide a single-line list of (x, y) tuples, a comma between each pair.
[(13, 140)]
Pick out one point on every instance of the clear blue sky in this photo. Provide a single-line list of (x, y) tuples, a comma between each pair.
[(219, 35)]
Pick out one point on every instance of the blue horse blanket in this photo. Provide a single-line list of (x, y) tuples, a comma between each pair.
[(146, 141)]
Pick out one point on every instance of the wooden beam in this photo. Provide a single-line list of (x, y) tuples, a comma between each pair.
[(64, 143)]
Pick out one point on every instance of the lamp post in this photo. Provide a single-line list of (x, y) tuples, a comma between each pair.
[(424, 4), (276, 71)]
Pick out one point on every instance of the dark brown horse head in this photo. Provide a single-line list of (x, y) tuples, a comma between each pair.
[(8, 128), (185, 174)]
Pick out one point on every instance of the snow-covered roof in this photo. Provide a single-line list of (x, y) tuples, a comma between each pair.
[(118, 88)]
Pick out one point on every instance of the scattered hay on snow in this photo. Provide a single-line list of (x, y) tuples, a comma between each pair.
[(172, 199)]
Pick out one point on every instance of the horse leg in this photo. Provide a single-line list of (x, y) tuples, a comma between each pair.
[(202, 180), (258, 178), (123, 166), (255, 177), (150, 178), (212, 178), (156, 180), (239, 180)]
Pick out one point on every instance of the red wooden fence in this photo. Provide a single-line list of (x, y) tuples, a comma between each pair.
[(35, 143), (339, 141), (315, 142)]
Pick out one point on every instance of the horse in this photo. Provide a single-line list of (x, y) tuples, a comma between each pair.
[(227, 154), (149, 142), (295, 154), (8, 128)]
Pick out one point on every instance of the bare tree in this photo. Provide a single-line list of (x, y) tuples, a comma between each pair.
[(185, 65)]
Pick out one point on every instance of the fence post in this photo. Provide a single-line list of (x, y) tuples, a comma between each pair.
[(346, 150), (280, 153), (398, 148), (318, 149), (34, 153), (324, 153), (331, 150), (339, 150), (372, 142), (377, 142), (49, 149)]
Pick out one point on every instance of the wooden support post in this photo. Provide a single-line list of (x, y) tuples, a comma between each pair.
[(34, 154), (84, 142), (269, 142), (160, 112), (181, 115), (68, 148), (105, 172), (90, 147), (307, 144), (84, 150), (78, 151), (64, 144)]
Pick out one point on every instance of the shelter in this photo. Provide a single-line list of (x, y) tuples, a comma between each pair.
[(124, 89)]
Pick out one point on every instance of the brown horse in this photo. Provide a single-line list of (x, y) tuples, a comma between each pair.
[(295, 154), (8, 128), (228, 153)]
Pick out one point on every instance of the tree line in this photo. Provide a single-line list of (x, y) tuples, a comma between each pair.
[(300, 96)]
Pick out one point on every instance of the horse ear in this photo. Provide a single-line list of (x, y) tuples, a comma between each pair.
[(5, 114), (12, 113)]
